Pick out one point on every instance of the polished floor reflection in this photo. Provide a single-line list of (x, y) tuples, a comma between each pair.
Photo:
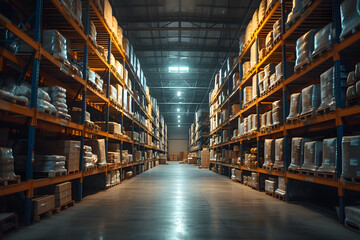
[(182, 202)]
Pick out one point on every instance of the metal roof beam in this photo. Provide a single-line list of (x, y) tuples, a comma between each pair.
[(218, 29)]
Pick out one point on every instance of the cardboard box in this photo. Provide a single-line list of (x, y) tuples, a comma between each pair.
[(43, 204), (205, 158), (62, 201), (62, 187), (108, 15), (98, 148)]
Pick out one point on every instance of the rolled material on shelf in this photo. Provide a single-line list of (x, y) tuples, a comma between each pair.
[(269, 4), (6, 163), (297, 152), (249, 31), (253, 53), (329, 156), (351, 79), (304, 48), (350, 16), (269, 40), (323, 39), (269, 152), (312, 155), (351, 92), (254, 87), (351, 157), (247, 94), (310, 99), (277, 30), (295, 106), (262, 10), (269, 69), (246, 68), (279, 153)]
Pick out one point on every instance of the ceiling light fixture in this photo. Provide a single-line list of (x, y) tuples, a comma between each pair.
[(178, 116), (178, 120), (178, 109), (179, 93), (179, 125)]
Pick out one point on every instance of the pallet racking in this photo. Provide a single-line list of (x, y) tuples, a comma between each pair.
[(47, 70), (199, 133), (342, 120)]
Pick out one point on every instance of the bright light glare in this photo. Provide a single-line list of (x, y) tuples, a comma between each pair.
[(178, 120), (178, 69), (178, 109), (178, 116), (184, 69), (178, 125), (179, 94)]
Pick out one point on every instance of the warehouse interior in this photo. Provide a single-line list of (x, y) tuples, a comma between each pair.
[(179, 119)]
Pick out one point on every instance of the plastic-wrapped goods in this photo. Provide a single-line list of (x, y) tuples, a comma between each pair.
[(6, 163), (351, 79), (241, 128), (269, 70), (253, 53), (263, 85), (253, 121), (357, 71), (276, 30), (312, 155), (113, 93), (272, 79), (279, 153), (327, 88), (350, 16), (281, 190), (235, 81), (77, 11), (254, 87), (304, 49), (44, 106), (351, 157), (329, 156), (352, 214), (246, 68), (262, 10), (310, 99), (269, 121), (98, 147), (270, 186), (247, 94), (58, 98), (269, 40), (262, 120), (269, 4), (297, 152), (119, 69), (269, 152), (246, 125), (357, 87), (279, 70), (323, 39), (50, 163), (241, 43), (298, 5), (295, 106), (55, 43), (351, 92), (276, 112)]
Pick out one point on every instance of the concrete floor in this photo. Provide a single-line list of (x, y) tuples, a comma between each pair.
[(183, 202)]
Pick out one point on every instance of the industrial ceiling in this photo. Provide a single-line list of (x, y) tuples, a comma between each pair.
[(191, 38)]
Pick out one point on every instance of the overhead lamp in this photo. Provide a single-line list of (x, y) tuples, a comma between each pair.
[(179, 120), (178, 116), (179, 125), (178, 93), (178, 109)]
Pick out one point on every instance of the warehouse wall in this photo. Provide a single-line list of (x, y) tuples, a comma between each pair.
[(178, 139)]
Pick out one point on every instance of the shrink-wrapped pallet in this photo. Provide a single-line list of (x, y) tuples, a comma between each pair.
[(279, 153), (312, 155), (327, 89), (276, 112), (310, 99), (272, 79), (270, 186), (269, 40), (304, 49), (55, 43), (351, 157), (276, 30), (262, 10), (279, 71), (296, 10), (92, 31), (98, 148), (357, 87), (50, 163), (329, 156), (281, 190), (254, 122), (246, 68), (269, 69), (254, 87), (262, 120), (235, 80), (247, 94), (323, 39), (269, 152), (297, 152), (357, 71), (352, 214), (253, 57), (350, 16), (6, 163), (295, 106), (269, 118)]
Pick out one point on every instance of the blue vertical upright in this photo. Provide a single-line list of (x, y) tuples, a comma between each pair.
[(83, 101), (33, 105)]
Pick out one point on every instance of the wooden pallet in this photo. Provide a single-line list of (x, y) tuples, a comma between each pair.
[(351, 32), (280, 197), (48, 111), (63, 116), (307, 172), (49, 174), (48, 214), (298, 15), (326, 175), (8, 222), (278, 169), (73, 172), (302, 65), (13, 99), (354, 180), (321, 52), (306, 116), (352, 226), (112, 185), (90, 168), (325, 110), (10, 181), (65, 206), (297, 171), (352, 102), (272, 194)]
